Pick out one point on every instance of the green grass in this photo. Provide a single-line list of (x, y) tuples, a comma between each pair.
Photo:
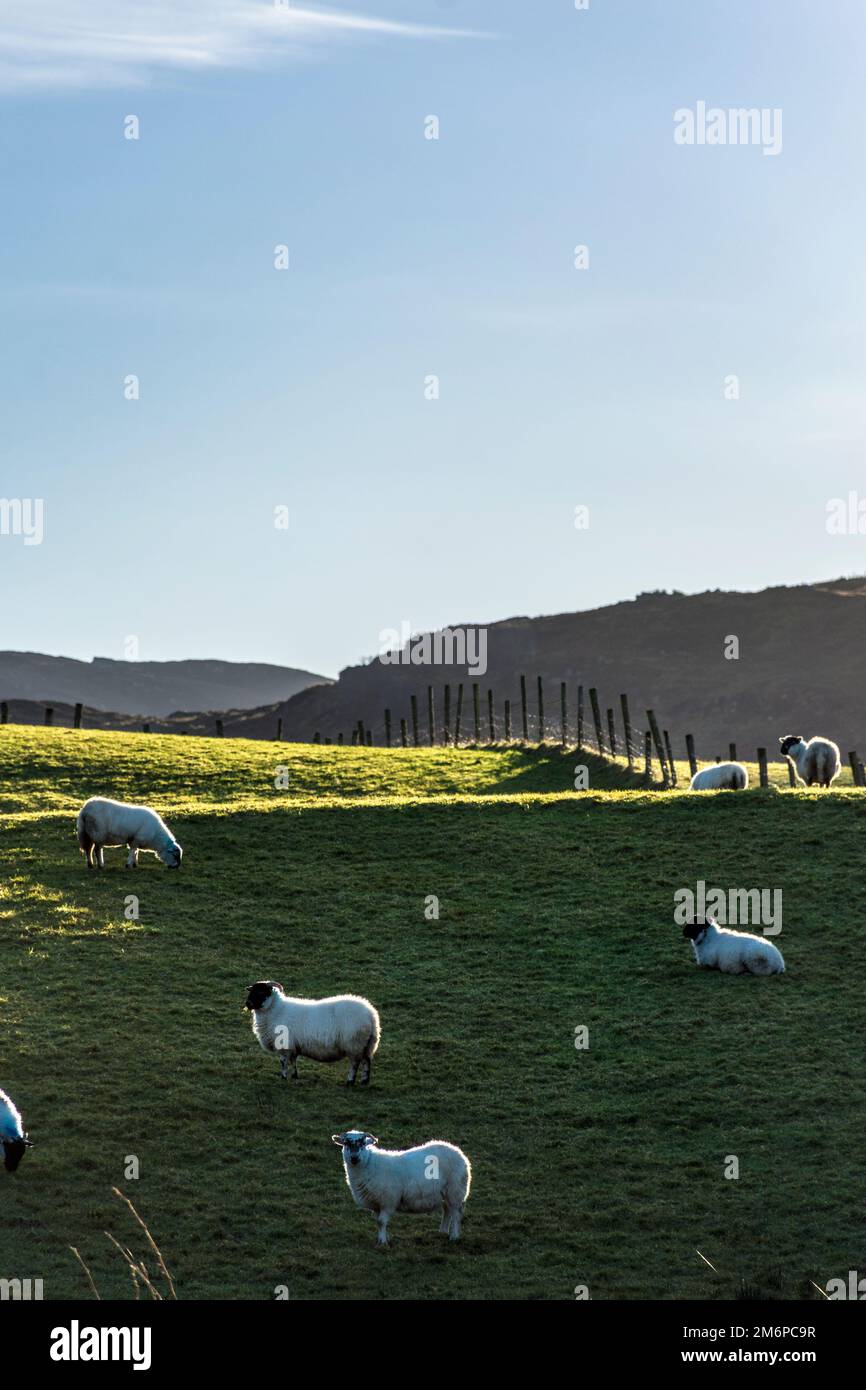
[(601, 1167)]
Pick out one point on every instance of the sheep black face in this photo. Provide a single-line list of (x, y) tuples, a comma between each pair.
[(172, 856), (788, 742), (353, 1143), (694, 930), (13, 1152), (260, 993)]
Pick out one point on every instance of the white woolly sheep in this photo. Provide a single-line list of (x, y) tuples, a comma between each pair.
[(733, 952), (102, 822), (12, 1136), (720, 775), (817, 760), (322, 1029), (422, 1179)]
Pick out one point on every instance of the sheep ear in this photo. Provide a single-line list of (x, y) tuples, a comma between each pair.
[(337, 1139)]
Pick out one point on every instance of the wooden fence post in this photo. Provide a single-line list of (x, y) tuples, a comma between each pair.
[(76, 718), (447, 726), (563, 709), (369, 738), (403, 733), (792, 776), (219, 728), (671, 764), (431, 723), (490, 717), (279, 730), (4, 713), (145, 728), (690, 750), (317, 737), (626, 724), (732, 752), (387, 728), (579, 717), (362, 737), (339, 738), (660, 752), (647, 757), (611, 733), (507, 721), (413, 702), (49, 714), (540, 711), (596, 717), (763, 775), (458, 714), (476, 711), (853, 760), (523, 707)]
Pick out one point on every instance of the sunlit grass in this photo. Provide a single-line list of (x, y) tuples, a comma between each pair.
[(126, 1037)]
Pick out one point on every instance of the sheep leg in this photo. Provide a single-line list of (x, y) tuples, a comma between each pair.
[(454, 1223), (132, 857), (98, 857), (383, 1218), (365, 1078), (285, 1058), (353, 1071)]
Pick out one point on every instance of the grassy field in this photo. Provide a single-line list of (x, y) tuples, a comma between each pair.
[(601, 1167)]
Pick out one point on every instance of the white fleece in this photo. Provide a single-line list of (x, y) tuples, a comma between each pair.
[(818, 761), (720, 775), (102, 822), (737, 952), (325, 1030), (430, 1176)]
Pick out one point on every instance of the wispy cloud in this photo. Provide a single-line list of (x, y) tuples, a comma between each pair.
[(127, 43)]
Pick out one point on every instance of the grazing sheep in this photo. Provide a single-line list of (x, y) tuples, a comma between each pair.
[(104, 822), (323, 1029), (425, 1178), (12, 1136), (817, 760), (720, 775), (733, 952)]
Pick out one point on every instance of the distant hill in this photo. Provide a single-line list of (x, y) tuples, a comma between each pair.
[(143, 688), (801, 669)]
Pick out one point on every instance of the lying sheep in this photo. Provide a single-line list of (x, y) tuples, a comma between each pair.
[(104, 822), (815, 761), (731, 775), (425, 1178), (323, 1029), (12, 1136), (733, 952)]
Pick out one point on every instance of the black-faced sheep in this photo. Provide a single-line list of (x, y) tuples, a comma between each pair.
[(733, 952), (815, 760), (322, 1029)]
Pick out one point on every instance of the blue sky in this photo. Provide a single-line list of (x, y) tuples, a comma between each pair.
[(409, 257)]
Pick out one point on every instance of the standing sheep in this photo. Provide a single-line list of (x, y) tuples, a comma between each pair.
[(425, 1178), (733, 952), (103, 822), (12, 1136), (323, 1029), (817, 760), (733, 776)]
